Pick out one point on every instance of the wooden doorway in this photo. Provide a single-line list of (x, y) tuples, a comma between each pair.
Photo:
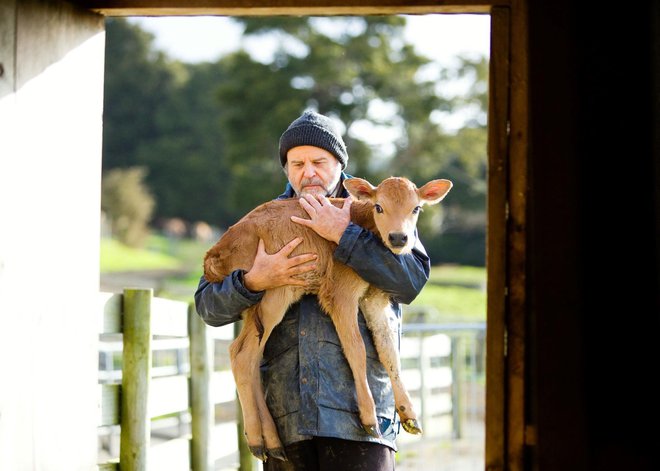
[(507, 430)]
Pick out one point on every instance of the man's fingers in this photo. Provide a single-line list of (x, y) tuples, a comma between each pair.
[(306, 204), (296, 282), (290, 247), (299, 269), (309, 209), (348, 201), (300, 259), (304, 222), (313, 201), (347, 205)]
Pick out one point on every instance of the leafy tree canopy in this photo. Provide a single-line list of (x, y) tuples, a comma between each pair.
[(208, 132)]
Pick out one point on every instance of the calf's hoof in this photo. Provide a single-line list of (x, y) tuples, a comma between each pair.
[(259, 452), (411, 426), (372, 430), (277, 453)]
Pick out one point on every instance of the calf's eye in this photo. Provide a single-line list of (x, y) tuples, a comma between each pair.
[(417, 209), (378, 208)]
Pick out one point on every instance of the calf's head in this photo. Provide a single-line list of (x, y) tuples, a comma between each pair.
[(396, 206)]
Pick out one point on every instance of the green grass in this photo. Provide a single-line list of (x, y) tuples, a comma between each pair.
[(454, 293), (458, 275), (189, 252), (118, 257), (452, 303)]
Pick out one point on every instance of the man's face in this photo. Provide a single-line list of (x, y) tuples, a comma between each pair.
[(312, 170)]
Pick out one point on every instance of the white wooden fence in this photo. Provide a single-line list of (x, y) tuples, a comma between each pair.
[(167, 397)]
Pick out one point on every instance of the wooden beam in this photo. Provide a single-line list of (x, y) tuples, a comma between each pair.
[(284, 7), (507, 180), (496, 251), (517, 235)]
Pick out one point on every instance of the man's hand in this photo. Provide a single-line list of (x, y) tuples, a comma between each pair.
[(326, 219), (278, 269)]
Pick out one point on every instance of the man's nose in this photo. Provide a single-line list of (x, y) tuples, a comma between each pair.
[(309, 170)]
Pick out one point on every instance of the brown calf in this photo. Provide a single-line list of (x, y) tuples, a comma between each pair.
[(389, 211)]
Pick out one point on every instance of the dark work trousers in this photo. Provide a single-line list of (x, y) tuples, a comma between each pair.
[(334, 454)]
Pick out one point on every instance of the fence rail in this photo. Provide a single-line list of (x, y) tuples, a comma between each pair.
[(146, 324), (463, 346), (167, 396)]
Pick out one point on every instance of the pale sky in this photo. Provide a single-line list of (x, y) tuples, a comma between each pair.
[(205, 38)]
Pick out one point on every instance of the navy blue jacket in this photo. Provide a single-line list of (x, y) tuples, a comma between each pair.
[(307, 381)]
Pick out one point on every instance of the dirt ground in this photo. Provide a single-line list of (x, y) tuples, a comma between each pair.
[(443, 455), (429, 454)]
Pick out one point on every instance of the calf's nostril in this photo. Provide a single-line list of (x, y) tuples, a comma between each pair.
[(398, 239)]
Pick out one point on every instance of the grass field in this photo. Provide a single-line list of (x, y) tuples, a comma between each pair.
[(118, 257), (452, 303), (454, 293)]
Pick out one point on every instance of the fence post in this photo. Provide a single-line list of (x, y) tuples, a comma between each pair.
[(201, 408), (457, 367), (136, 376), (424, 391)]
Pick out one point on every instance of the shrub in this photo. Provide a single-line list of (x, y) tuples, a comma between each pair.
[(128, 204)]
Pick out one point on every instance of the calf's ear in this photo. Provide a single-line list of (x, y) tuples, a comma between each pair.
[(434, 191), (359, 188)]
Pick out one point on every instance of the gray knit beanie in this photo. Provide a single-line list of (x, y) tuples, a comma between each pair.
[(313, 129)]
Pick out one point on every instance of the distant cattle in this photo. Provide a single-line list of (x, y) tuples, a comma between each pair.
[(174, 228), (203, 232)]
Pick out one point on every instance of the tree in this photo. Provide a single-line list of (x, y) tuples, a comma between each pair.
[(128, 204), (208, 133), (341, 74), (189, 173), (162, 115), (364, 67), (137, 81)]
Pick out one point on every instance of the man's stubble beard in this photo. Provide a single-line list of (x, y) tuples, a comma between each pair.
[(320, 189)]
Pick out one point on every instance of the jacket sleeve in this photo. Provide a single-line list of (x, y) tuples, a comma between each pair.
[(222, 303), (402, 276)]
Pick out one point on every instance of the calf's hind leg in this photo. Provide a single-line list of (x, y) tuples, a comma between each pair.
[(242, 354), (245, 355), (377, 309)]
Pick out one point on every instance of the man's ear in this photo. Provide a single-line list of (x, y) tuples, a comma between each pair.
[(359, 189)]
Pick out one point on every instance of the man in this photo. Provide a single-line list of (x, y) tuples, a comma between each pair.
[(307, 381)]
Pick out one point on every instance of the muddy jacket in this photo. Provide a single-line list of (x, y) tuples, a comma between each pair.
[(308, 383)]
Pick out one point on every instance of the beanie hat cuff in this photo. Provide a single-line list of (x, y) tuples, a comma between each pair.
[(312, 130)]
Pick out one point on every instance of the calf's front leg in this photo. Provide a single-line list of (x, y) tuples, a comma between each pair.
[(342, 304), (377, 310)]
